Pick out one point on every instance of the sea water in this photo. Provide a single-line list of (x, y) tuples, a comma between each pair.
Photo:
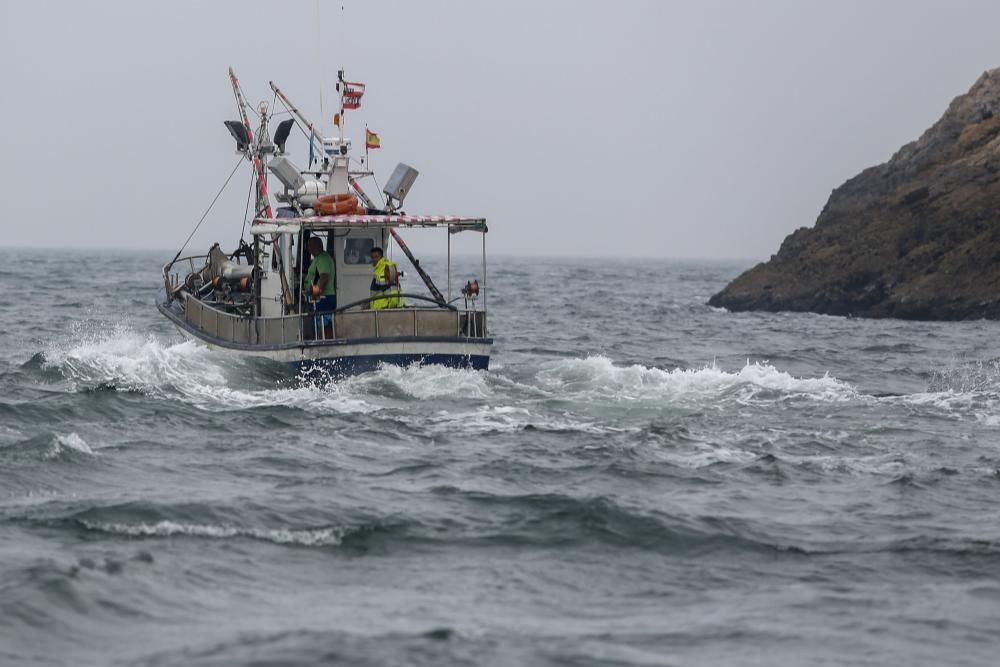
[(639, 479)]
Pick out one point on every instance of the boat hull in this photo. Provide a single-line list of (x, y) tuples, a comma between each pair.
[(351, 357)]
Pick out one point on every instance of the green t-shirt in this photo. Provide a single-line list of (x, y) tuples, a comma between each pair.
[(322, 263)]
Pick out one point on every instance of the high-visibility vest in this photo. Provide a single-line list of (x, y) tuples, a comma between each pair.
[(378, 283), (389, 291)]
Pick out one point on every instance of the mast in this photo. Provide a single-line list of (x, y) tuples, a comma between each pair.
[(258, 165), (263, 201)]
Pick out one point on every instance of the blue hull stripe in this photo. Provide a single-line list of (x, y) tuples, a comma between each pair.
[(371, 362)]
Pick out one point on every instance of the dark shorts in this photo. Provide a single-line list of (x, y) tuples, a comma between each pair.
[(327, 304)]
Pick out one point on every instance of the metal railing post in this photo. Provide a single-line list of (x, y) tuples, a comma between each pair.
[(485, 285)]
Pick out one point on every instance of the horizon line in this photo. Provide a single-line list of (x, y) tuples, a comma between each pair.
[(721, 258)]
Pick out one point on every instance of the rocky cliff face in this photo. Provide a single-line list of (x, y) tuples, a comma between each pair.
[(917, 237)]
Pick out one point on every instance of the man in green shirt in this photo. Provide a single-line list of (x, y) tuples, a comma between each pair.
[(321, 280)]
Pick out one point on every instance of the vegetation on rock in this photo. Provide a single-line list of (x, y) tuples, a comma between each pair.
[(917, 237)]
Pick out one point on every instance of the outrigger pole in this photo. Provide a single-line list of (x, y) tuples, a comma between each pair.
[(416, 264), (262, 198)]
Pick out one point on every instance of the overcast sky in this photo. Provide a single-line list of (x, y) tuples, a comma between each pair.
[(671, 129)]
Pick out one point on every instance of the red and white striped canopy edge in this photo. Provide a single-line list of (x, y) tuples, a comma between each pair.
[(372, 220)]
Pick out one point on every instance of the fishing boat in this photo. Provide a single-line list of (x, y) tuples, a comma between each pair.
[(257, 299)]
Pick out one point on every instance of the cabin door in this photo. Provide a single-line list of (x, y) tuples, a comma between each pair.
[(354, 264)]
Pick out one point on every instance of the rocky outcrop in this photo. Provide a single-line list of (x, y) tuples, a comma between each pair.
[(917, 237)]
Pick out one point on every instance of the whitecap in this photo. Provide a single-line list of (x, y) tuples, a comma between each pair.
[(73, 442), (306, 537), (118, 354), (599, 377), (428, 381), (705, 455)]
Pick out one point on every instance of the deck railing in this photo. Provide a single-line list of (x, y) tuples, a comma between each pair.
[(303, 328), (172, 280)]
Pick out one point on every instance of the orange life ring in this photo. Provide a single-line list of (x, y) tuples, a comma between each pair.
[(335, 198), (337, 208)]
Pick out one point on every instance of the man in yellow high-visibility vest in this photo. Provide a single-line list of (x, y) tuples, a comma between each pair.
[(385, 283)]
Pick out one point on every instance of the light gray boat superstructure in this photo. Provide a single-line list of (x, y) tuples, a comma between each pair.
[(253, 300)]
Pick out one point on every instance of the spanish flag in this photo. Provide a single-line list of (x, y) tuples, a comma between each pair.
[(372, 140)]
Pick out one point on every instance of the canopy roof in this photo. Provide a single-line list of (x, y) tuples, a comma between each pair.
[(285, 225)]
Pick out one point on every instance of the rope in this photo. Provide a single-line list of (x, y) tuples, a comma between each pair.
[(205, 215), (378, 189)]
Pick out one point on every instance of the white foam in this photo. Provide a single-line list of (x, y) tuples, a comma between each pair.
[(598, 377), (72, 442), (117, 354), (327, 399), (427, 381), (305, 537), (120, 355), (885, 465), (963, 390), (989, 419), (703, 455), (983, 407), (483, 419), (969, 377), (9, 434)]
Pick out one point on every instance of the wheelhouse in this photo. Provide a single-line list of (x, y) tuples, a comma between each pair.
[(256, 295)]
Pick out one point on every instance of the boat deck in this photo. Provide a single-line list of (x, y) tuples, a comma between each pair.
[(362, 326)]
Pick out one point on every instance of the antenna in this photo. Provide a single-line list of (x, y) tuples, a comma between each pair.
[(319, 60)]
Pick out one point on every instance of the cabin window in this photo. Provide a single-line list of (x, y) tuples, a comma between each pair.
[(358, 251)]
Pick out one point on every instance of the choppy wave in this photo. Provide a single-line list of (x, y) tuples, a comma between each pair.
[(599, 377), (117, 356), (71, 442), (45, 446), (979, 376), (590, 465), (306, 537)]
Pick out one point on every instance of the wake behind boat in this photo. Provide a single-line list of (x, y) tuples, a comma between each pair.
[(315, 284)]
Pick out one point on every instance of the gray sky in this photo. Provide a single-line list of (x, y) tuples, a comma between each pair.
[(673, 129)]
